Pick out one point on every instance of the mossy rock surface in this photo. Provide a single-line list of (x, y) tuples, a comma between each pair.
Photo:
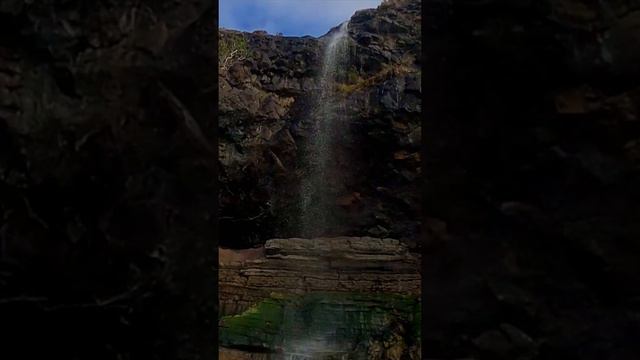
[(320, 322)]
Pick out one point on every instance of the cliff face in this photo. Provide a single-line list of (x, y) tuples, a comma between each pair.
[(260, 98), (323, 297), (266, 103)]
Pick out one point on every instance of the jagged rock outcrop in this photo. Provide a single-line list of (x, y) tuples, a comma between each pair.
[(320, 296), (266, 104)]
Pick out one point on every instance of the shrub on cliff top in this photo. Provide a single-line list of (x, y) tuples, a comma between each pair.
[(231, 49)]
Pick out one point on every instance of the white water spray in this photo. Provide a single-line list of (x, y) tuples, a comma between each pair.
[(317, 198)]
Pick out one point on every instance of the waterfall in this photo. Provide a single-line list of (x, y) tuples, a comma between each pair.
[(322, 176)]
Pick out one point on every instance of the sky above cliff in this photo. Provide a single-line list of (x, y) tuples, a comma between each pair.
[(289, 17)]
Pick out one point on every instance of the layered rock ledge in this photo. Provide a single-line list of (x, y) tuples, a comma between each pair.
[(320, 298), (299, 266)]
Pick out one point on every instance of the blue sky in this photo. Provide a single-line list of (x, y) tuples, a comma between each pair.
[(290, 17)]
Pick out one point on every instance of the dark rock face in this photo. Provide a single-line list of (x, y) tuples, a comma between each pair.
[(532, 208), (260, 98), (266, 103), (107, 192)]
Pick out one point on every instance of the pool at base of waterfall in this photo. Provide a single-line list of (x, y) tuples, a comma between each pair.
[(326, 326)]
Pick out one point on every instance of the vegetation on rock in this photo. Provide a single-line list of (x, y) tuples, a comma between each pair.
[(232, 48), (342, 320), (356, 83)]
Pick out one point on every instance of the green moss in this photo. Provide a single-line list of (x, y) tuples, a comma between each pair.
[(278, 320), (258, 326)]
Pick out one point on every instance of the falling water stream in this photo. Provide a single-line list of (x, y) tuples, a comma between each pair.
[(321, 178), (321, 175)]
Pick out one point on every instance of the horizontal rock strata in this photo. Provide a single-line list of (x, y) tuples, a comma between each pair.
[(300, 266)]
